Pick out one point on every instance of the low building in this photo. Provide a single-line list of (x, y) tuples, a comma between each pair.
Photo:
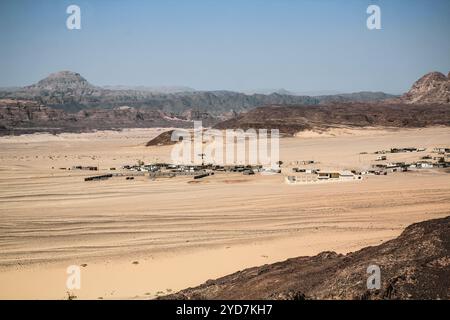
[(442, 150), (424, 165), (328, 175), (348, 175), (398, 150)]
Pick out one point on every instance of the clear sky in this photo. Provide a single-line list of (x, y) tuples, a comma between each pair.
[(300, 45)]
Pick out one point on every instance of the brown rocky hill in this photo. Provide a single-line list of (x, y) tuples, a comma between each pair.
[(416, 265), (433, 87), (61, 81), (292, 119), (164, 139), (23, 116), (426, 104)]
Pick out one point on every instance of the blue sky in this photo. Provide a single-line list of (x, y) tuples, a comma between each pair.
[(300, 45)]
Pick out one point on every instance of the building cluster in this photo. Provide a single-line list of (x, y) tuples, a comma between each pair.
[(426, 162), (194, 169), (301, 175), (88, 168), (404, 166), (400, 150), (167, 170), (441, 150), (297, 174), (318, 176)]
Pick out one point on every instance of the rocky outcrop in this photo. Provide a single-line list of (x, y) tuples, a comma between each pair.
[(63, 81), (363, 96), (17, 113), (433, 87), (292, 119), (164, 139), (416, 265), (24, 116)]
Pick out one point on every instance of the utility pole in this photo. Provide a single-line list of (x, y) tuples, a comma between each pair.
[(202, 155)]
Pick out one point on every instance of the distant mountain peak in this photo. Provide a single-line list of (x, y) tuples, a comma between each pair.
[(65, 74), (62, 80), (434, 87), (280, 91)]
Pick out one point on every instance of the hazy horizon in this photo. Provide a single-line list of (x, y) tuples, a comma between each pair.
[(178, 88), (300, 46)]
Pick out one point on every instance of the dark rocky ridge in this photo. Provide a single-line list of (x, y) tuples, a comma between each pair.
[(23, 116), (416, 265), (292, 119), (164, 139), (427, 103), (363, 96)]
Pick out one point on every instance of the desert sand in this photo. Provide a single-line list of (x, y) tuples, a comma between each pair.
[(142, 238)]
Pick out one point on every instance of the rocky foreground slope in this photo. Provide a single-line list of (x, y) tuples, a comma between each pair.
[(416, 265)]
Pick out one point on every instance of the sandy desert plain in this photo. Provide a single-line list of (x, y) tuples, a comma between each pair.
[(137, 239)]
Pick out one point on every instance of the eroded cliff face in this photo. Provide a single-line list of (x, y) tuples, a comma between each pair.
[(17, 112), (24, 116)]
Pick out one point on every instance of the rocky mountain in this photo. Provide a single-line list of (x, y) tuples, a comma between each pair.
[(434, 87), (324, 98), (363, 96), (65, 101), (63, 81), (294, 118), (71, 92), (14, 113), (426, 104), (24, 116), (416, 265)]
